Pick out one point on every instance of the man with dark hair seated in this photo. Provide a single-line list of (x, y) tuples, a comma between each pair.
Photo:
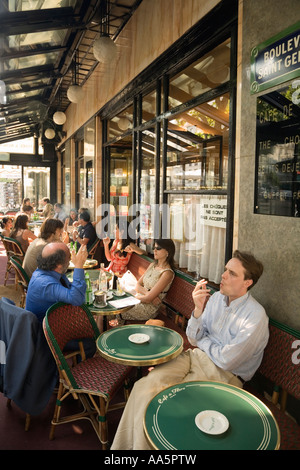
[(49, 284), (86, 234)]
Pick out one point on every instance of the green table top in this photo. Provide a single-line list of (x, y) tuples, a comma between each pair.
[(164, 344), (169, 420)]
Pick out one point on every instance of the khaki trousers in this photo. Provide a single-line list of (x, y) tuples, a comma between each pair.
[(192, 364)]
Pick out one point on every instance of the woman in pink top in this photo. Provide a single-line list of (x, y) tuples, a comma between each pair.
[(120, 252), (21, 233)]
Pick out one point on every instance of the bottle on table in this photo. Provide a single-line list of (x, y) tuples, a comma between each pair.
[(88, 292), (102, 279)]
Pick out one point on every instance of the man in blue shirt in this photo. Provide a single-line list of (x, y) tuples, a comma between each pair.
[(49, 283)]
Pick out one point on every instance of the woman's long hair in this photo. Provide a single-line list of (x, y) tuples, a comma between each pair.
[(168, 245), (20, 224)]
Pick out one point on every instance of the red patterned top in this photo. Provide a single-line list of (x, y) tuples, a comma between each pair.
[(118, 263)]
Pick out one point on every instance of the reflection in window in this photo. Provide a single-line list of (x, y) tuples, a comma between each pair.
[(120, 183), (147, 187), (36, 182), (10, 187), (198, 228), (211, 70), (149, 106), (26, 5), (120, 123), (197, 155)]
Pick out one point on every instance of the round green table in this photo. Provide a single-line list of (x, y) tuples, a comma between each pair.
[(169, 421), (164, 344)]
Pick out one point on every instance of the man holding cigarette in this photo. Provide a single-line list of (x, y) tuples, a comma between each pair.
[(229, 331)]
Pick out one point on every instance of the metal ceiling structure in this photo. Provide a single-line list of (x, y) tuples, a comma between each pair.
[(40, 40)]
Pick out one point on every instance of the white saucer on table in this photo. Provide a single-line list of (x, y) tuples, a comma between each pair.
[(139, 338), (212, 422)]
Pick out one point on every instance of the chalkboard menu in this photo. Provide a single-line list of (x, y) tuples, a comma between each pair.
[(277, 185)]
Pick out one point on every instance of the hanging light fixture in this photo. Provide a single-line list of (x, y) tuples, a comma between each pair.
[(49, 133), (123, 123), (104, 48), (75, 92), (59, 118)]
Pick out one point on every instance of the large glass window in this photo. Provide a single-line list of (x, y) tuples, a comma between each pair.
[(10, 187), (36, 183), (120, 192), (202, 76), (181, 160), (198, 224), (120, 123), (15, 183), (147, 186)]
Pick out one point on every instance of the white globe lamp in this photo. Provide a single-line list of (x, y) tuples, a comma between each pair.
[(123, 124), (104, 49), (59, 118), (75, 93), (50, 133)]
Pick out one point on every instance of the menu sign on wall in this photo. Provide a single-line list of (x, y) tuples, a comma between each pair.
[(277, 60), (277, 190)]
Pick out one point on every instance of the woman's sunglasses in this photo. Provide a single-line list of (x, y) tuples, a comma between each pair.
[(157, 248)]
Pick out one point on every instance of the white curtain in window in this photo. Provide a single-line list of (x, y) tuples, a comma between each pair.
[(198, 230)]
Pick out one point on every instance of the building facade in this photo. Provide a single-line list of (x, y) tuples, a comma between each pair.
[(177, 135)]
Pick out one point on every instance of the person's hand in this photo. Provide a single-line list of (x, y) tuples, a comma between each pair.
[(75, 234), (79, 258), (106, 241), (200, 297)]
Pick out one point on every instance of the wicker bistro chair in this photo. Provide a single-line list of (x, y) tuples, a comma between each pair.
[(22, 279), (94, 381), (13, 249)]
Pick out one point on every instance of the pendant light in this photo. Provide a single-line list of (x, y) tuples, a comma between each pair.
[(104, 48), (49, 133), (59, 118), (75, 92)]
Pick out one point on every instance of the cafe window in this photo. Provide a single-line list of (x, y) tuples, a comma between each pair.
[(120, 189), (121, 123), (181, 161), (201, 76), (85, 167)]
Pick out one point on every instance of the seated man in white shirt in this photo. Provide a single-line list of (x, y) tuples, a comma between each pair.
[(230, 332)]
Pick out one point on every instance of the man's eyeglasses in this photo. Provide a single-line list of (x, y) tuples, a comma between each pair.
[(157, 248)]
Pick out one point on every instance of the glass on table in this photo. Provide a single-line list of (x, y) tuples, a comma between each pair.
[(95, 285)]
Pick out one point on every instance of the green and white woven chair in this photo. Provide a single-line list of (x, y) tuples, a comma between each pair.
[(94, 381), (13, 249), (22, 279)]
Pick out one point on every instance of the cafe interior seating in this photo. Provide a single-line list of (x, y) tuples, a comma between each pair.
[(13, 249), (94, 381), (22, 279)]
